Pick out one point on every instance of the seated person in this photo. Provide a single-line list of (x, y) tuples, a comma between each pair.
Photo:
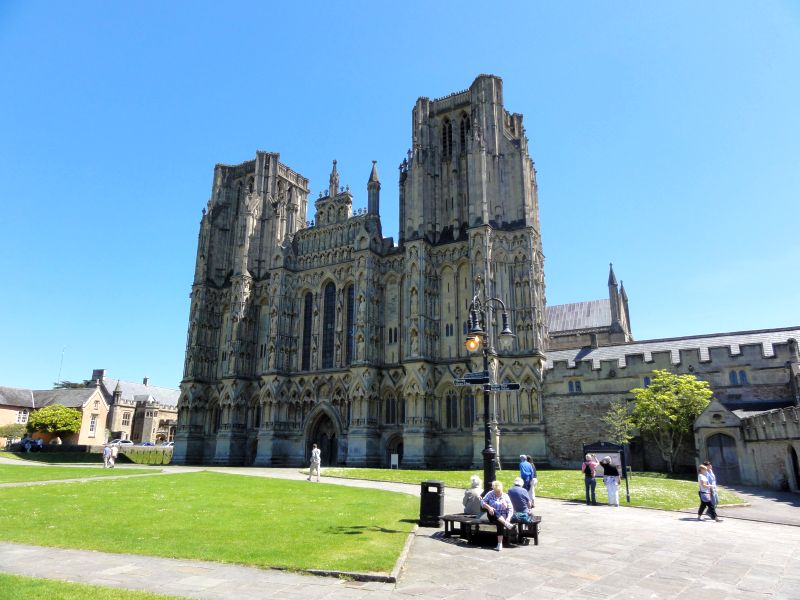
[(521, 501), (498, 506), (472, 497)]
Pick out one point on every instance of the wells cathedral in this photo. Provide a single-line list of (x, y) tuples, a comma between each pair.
[(327, 332)]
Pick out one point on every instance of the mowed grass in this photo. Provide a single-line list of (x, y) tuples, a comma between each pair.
[(15, 586), (649, 490), (215, 516), (23, 473)]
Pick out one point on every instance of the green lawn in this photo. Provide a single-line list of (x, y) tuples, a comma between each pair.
[(650, 490), (15, 586), (214, 516), (20, 473)]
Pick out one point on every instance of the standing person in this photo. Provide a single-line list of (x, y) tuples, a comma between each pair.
[(525, 472), (472, 497), (316, 461), (499, 508), (611, 479), (534, 480), (705, 493), (113, 458), (588, 469), (712, 481), (106, 456)]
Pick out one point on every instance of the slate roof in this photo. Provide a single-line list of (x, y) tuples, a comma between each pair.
[(16, 397), (162, 395), (74, 398), (765, 337), (579, 316)]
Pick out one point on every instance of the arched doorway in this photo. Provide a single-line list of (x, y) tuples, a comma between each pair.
[(394, 446), (795, 467), (323, 434), (721, 451)]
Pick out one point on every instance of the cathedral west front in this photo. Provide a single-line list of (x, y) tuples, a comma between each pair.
[(327, 332)]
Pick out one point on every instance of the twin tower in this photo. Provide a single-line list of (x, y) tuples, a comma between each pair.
[(326, 332)]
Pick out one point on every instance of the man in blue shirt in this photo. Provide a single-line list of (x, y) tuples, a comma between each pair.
[(526, 472), (521, 501)]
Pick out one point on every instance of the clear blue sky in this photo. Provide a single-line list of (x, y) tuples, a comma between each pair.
[(666, 138)]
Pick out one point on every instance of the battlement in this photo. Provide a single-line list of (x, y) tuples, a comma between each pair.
[(703, 350)]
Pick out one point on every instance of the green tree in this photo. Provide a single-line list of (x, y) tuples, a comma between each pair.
[(55, 419), (619, 422), (13, 431), (667, 409)]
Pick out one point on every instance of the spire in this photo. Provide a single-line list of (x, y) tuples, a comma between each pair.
[(622, 291), (374, 191), (333, 185), (612, 279), (373, 177)]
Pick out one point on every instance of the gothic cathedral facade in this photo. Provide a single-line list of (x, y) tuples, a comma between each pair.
[(327, 332)]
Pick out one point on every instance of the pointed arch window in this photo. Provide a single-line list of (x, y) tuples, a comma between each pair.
[(328, 318), (351, 307), (742, 378), (469, 410), (464, 131), (732, 378), (391, 411), (307, 315), (447, 138), (452, 411)]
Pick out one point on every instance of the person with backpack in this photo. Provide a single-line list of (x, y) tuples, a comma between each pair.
[(588, 468)]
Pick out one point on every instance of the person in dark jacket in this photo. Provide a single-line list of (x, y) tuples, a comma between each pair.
[(588, 469)]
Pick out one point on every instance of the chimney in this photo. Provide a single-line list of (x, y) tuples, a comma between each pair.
[(146, 380), (98, 374)]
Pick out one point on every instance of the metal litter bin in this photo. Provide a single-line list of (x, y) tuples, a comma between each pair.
[(431, 503)]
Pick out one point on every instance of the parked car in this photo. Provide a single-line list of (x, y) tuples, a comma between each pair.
[(167, 444), (121, 443), (148, 444)]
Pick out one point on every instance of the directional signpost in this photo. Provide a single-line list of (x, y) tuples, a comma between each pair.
[(477, 377), (500, 387), (459, 381)]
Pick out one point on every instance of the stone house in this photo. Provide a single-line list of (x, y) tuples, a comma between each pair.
[(141, 412), (15, 407)]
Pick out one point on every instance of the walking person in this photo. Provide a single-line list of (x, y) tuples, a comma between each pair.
[(526, 472), (113, 459), (106, 456), (712, 481), (534, 480), (611, 479), (588, 468), (316, 461), (499, 509), (705, 493)]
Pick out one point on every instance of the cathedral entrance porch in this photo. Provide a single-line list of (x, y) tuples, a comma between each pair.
[(324, 435)]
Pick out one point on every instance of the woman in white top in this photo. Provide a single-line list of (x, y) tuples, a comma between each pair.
[(705, 490)]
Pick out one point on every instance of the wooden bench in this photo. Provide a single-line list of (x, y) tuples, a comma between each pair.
[(469, 527)]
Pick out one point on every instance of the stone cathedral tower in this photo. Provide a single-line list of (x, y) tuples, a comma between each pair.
[(326, 332)]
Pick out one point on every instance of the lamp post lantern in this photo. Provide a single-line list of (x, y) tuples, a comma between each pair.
[(479, 339)]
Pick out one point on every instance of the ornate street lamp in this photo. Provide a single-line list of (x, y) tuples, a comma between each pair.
[(479, 339)]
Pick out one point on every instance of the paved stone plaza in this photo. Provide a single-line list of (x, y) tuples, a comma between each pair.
[(584, 552)]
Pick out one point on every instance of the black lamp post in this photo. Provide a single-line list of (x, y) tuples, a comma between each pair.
[(479, 337)]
